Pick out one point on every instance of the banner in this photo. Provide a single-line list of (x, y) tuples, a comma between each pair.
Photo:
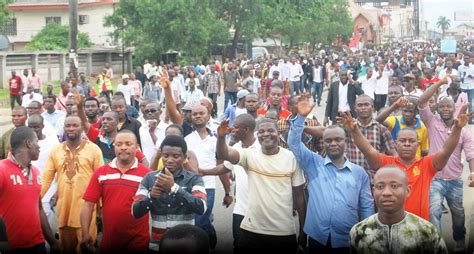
[(448, 46)]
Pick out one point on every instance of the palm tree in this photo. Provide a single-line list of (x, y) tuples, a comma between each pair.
[(443, 23)]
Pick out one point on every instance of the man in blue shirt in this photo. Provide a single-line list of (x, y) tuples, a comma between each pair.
[(337, 187)]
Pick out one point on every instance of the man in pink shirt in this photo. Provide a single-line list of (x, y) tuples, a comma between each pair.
[(447, 183), (35, 80)]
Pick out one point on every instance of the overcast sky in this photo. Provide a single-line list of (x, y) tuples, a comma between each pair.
[(434, 8)]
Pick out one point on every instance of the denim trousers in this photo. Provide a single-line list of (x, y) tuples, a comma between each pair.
[(470, 97), (452, 190), (304, 83), (229, 96), (294, 87), (205, 221), (317, 91)]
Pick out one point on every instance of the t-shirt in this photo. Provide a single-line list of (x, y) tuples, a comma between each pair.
[(420, 175), (121, 231), (19, 205), (15, 85), (127, 91), (398, 122), (270, 180)]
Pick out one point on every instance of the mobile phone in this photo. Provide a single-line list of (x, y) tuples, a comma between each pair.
[(149, 122)]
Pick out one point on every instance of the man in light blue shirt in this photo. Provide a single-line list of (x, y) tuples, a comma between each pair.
[(337, 187)]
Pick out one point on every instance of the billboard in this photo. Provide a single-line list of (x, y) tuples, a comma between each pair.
[(448, 46)]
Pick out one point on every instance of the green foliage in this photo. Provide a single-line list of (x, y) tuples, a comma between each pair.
[(4, 13), (443, 23), (56, 37)]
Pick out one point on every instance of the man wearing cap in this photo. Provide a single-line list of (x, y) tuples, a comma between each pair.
[(126, 89), (409, 81), (237, 108)]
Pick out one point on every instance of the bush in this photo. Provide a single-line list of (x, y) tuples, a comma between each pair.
[(56, 37)]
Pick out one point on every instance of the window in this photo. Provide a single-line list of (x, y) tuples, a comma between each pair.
[(83, 19), (9, 28), (56, 20)]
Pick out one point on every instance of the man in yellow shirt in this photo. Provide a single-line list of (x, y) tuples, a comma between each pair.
[(74, 161), (408, 119)]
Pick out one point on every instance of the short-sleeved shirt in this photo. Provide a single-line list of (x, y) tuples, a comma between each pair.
[(270, 180), (19, 205), (284, 113), (15, 85), (121, 232), (420, 174), (398, 122)]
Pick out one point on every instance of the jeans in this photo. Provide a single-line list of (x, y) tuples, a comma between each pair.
[(317, 247), (232, 96), (205, 221), (317, 91), (236, 221), (380, 100), (213, 97), (452, 190), (294, 87), (304, 83), (470, 96)]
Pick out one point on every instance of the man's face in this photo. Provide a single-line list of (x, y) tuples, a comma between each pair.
[(125, 81), (125, 147), (65, 89), (187, 116), (364, 107), (369, 73), (428, 74), (446, 109), (293, 105), (73, 81), (91, 109), (212, 68), (409, 83), (120, 107), (48, 104), (390, 191), (18, 118), (36, 126), (267, 135), (69, 104), (449, 64), (406, 144), (394, 94), (34, 108), (34, 148), (455, 84), (238, 131), (409, 112), (173, 158), (200, 116), (276, 95), (73, 127), (334, 141), (13, 73), (25, 72), (143, 106), (152, 112), (109, 123), (251, 103), (344, 76)]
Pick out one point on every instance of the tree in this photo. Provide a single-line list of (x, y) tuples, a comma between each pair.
[(56, 37), (155, 27), (443, 23), (4, 12)]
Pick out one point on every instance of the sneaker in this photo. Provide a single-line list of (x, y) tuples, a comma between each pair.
[(459, 246)]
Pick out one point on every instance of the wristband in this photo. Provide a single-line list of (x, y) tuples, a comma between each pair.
[(175, 188), (227, 194)]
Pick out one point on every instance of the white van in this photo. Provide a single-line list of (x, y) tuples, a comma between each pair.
[(261, 52)]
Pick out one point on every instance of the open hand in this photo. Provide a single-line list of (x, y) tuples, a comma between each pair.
[(346, 120), (227, 201), (223, 128), (402, 102), (305, 106), (463, 117), (77, 98), (164, 82)]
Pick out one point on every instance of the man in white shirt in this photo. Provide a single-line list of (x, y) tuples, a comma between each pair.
[(34, 108), (449, 70), (176, 90), (273, 68), (295, 73), (146, 68), (152, 133), (126, 89), (409, 86), (381, 88), (31, 96), (24, 80), (52, 115), (368, 83), (467, 73), (35, 122), (318, 76)]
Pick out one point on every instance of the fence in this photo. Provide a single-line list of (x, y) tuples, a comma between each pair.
[(54, 65)]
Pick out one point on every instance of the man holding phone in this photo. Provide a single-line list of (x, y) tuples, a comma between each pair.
[(152, 132)]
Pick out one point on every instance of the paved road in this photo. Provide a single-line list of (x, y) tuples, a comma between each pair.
[(223, 216)]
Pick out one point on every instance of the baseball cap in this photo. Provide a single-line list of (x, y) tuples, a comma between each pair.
[(124, 76), (189, 105), (409, 75), (242, 93)]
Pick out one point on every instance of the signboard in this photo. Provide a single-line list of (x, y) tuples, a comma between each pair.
[(448, 46)]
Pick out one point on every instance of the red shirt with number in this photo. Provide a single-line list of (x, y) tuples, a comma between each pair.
[(19, 205), (122, 233), (15, 85)]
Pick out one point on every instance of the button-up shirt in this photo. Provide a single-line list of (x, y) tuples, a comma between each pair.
[(295, 72), (205, 150), (336, 194), (213, 83), (438, 133), (150, 148), (343, 103), (56, 119)]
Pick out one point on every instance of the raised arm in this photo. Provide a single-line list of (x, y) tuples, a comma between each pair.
[(382, 116), (81, 113), (441, 157), (370, 153), (315, 131), (223, 151), (430, 91), (174, 114)]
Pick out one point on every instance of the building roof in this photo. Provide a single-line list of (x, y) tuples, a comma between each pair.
[(55, 4), (371, 14)]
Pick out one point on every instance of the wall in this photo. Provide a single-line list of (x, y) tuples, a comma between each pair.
[(51, 65)]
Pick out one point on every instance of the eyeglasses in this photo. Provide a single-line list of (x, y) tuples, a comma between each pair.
[(150, 111), (393, 186)]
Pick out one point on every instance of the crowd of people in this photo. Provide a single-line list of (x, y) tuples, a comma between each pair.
[(371, 175)]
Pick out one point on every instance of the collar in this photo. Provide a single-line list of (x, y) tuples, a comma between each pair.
[(347, 164), (113, 164), (181, 173), (418, 122), (372, 122)]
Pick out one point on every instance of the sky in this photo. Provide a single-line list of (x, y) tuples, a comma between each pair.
[(432, 9)]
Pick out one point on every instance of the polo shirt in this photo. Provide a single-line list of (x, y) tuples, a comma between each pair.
[(19, 205), (420, 174), (205, 150), (121, 231), (396, 123)]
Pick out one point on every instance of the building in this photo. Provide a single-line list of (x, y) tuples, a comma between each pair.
[(30, 16), (462, 31), (367, 21)]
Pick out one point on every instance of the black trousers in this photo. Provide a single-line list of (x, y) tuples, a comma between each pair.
[(250, 242), (380, 100), (316, 247), (37, 249)]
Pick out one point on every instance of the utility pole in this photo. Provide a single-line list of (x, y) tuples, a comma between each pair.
[(73, 57)]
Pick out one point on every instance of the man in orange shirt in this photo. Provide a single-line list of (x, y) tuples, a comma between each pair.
[(420, 171), (276, 97)]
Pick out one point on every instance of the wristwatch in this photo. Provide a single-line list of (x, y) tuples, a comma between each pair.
[(227, 194), (174, 188)]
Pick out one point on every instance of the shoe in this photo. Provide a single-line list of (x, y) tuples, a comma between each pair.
[(459, 246), (212, 241)]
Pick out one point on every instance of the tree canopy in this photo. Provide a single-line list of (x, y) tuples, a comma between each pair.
[(4, 13), (443, 23), (56, 37), (191, 26)]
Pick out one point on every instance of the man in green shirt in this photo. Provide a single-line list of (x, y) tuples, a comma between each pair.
[(19, 116)]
